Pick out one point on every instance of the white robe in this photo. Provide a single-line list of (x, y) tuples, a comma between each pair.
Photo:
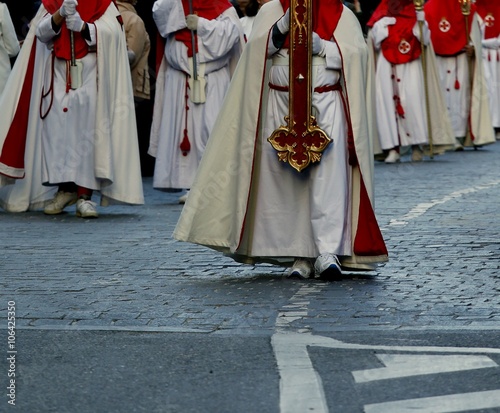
[(104, 134), (247, 24), (68, 156), (9, 45), (469, 111), (220, 42), (491, 60), (409, 85), (247, 203)]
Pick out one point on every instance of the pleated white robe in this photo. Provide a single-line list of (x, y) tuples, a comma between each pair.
[(220, 42)]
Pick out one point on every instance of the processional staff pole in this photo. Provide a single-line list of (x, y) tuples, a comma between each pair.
[(73, 68), (465, 5), (419, 6), (193, 44)]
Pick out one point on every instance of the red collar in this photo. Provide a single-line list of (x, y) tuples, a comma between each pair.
[(447, 26), (90, 11)]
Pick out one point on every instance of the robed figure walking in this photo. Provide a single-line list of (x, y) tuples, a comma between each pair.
[(250, 205)]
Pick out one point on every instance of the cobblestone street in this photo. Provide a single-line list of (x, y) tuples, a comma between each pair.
[(113, 315)]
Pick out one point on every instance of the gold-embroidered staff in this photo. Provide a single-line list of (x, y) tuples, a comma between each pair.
[(301, 141)]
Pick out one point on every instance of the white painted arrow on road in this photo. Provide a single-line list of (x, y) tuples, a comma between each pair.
[(400, 365)]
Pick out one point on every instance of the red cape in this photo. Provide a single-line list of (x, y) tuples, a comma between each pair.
[(401, 46), (209, 10), (447, 25), (90, 11), (490, 13)]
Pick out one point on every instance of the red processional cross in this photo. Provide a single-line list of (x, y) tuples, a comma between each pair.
[(301, 141)]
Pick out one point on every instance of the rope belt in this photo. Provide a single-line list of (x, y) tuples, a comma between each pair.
[(319, 89)]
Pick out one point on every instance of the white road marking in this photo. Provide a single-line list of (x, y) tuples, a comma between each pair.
[(301, 388), (422, 208), (440, 404), (298, 306), (401, 365)]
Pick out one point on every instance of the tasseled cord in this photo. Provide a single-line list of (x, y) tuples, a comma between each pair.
[(397, 100), (185, 145)]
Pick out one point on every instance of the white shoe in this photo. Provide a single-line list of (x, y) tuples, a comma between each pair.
[(86, 209), (301, 269), (327, 266), (183, 198), (393, 157), (458, 145), (59, 202), (416, 154)]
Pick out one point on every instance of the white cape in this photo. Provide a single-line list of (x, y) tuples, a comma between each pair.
[(216, 209), (117, 160)]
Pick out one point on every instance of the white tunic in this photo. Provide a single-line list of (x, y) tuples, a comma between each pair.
[(319, 195), (469, 113), (68, 156), (406, 81), (9, 45), (219, 42), (491, 60), (452, 69)]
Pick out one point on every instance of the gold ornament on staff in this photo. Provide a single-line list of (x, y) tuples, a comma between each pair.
[(465, 6), (419, 6), (301, 141)]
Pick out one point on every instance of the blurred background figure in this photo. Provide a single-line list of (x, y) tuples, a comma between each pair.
[(201, 49), (363, 9), (138, 47), (9, 45), (489, 19), (408, 97), (21, 13), (457, 43), (239, 11), (250, 9)]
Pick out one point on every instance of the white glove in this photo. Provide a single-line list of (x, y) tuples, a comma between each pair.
[(421, 16), (192, 21), (284, 23), (387, 21), (318, 45), (68, 8), (75, 22)]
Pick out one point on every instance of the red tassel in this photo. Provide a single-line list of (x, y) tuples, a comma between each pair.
[(185, 146), (489, 57), (399, 109), (457, 84), (498, 56)]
